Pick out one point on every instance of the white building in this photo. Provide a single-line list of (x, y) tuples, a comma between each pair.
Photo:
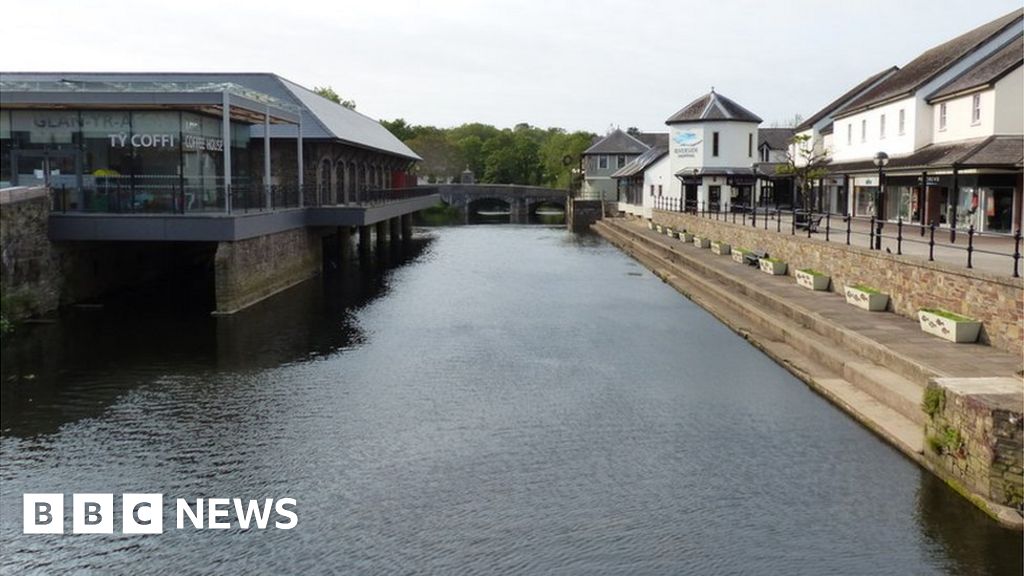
[(951, 123), (643, 181), (606, 156), (712, 152)]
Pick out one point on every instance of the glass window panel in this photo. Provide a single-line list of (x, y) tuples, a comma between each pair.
[(156, 149)]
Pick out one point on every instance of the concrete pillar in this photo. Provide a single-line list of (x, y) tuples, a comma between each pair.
[(396, 229), (344, 243), (364, 239), (406, 227), (382, 232)]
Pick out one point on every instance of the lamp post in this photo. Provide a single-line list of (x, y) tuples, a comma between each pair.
[(880, 160)]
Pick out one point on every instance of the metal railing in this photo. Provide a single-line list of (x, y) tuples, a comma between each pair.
[(907, 238)]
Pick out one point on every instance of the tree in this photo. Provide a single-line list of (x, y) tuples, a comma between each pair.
[(805, 164), (633, 131), (330, 94), (400, 128), (440, 158)]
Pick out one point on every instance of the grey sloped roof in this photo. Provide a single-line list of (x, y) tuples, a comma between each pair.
[(713, 106), (931, 63), (987, 72), (321, 118), (653, 139), (845, 98), (618, 142), (775, 138), (1005, 151), (641, 162)]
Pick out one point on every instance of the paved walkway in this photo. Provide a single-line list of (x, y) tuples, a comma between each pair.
[(993, 253), (901, 335)]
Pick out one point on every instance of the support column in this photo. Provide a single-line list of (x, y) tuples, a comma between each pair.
[(382, 232), (266, 159), (396, 229), (406, 227), (302, 196), (225, 134), (364, 239), (344, 243)]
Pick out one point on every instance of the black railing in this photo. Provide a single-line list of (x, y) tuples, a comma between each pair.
[(869, 233)]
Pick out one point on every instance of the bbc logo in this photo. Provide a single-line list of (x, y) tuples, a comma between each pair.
[(93, 513)]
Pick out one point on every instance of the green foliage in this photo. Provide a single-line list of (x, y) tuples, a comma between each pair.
[(330, 94), (948, 315), (773, 260), (946, 441), (524, 154), (934, 400), (812, 272), (805, 163), (867, 289)]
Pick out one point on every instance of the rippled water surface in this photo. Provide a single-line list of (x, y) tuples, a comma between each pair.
[(498, 399)]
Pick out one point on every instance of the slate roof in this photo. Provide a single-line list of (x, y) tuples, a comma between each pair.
[(618, 142), (641, 162), (653, 139), (321, 118), (993, 151), (931, 63), (846, 97), (713, 106), (828, 129), (987, 72), (775, 138)]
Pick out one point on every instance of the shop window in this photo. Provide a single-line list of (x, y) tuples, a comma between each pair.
[(107, 161)]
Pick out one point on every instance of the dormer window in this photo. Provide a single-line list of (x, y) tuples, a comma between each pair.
[(942, 116), (764, 153), (976, 109)]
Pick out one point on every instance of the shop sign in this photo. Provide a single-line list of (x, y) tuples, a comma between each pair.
[(201, 143), (932, 180), (687, 144), (124, 140), (865, 181)]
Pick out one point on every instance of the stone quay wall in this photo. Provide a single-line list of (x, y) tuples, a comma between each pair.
[(911, 284), (248, 271), (29, 266), (977, 439)]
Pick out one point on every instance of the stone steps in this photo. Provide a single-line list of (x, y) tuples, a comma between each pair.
[(883, 400)]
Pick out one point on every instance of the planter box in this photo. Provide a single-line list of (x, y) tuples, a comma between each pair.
[(701, 242), (721, 248), (650, 225), (771, 267), (737, 256), (670, 232), (686, 237), (873, 302), (812, 281), (952, 329), (660, 229)]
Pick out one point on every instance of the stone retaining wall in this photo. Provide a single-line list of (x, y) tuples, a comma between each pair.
[(248, 271), (29, 267), (911, 284), (976, 437)]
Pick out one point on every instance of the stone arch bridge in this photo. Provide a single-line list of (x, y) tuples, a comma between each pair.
[(522, 201)]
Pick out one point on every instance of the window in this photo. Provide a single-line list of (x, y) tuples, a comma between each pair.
[(881, 126), (714, 144), (659, 189), (750, 145), (620, 161), (849, 134), (942, 116), (764, 154), (652, 190), (976, 109), (903, 120), (864, 130), (602, 162)]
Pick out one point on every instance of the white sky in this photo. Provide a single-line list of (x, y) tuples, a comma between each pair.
[(574, 64)]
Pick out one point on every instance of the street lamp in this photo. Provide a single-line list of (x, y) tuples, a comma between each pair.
[(880, 160)]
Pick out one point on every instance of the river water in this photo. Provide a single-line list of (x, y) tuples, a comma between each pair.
[(495, 399)]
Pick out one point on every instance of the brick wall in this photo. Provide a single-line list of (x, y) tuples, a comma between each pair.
[(248, 271), (911, 285), (978, 440), (30, 271)]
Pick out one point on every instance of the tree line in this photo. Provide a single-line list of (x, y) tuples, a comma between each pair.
[(524, 154)]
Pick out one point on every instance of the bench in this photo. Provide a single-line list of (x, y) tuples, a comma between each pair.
[(751, 257), (808, 224)]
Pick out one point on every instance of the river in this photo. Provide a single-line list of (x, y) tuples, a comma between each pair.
[(495, 399)]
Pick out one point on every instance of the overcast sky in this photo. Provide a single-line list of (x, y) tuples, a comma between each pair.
[(578, 65)]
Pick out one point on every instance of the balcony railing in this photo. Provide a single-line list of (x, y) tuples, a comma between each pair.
[(995, 253)]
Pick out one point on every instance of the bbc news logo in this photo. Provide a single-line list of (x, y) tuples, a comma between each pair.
[(144, 513)]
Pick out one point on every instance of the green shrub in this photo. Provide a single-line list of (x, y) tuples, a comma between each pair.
[(948, 315), (866, 288), (934, 400)]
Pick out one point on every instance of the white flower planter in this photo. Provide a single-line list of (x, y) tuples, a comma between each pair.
[(811, 281), (866, 300), (738, 256), (660, 229), (959, 331), (773, 268), (686, 237), (721, 248), (670, 232), (650, 225), (701, 242)]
